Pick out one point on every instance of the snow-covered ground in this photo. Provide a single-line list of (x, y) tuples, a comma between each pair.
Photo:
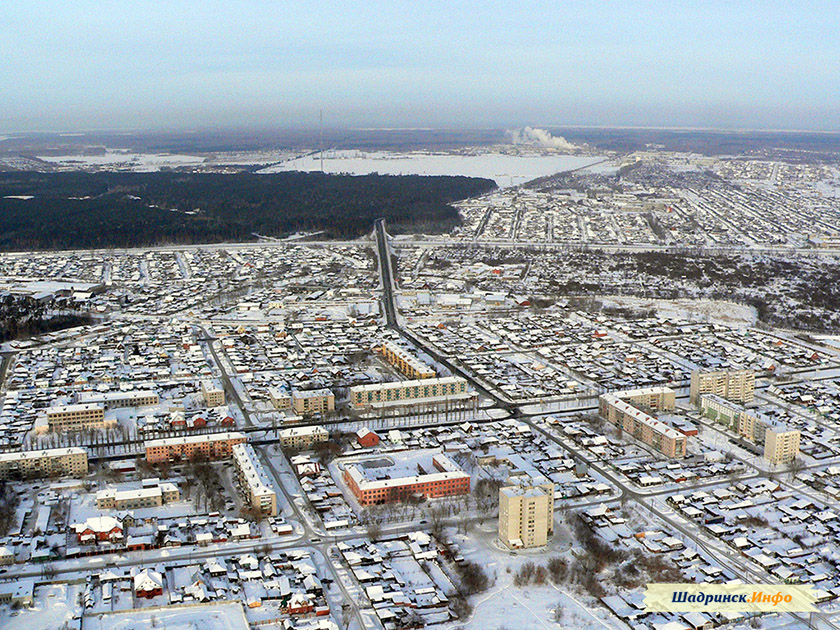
[(728, 313), (220, 616), (54, 605), (506, 170), (125, 160)]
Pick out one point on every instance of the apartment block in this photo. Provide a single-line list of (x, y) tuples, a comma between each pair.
[(253, 480), (70, 462), (312, 401), (653, 398), (526, 515), (405, 362), (76, 417), (781, 444), (213, 396), (429, 390), (281, 398), (152, 494), (734, 385), (303, 437), (211, 446), (117, 400), (642, 426)]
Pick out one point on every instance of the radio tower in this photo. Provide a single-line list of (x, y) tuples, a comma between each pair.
[(321, 132)]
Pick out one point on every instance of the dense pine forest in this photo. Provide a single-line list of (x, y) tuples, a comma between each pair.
[(68, 210)]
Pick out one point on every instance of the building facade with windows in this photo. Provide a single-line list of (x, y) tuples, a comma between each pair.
[(429, 390), (253, 480), (76, 417), (733, 385), (210, 445), (69, 462), (526, 515)]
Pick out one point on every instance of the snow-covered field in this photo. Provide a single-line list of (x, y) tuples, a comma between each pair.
[(223, 616), (506, 170), (728, 313), (124, 160), (53, 606)]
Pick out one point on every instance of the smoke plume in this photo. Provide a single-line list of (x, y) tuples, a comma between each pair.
[(540, 138)]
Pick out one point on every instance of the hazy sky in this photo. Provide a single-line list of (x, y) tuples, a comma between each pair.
[(91, 64)]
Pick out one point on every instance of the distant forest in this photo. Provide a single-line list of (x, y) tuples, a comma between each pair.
[(115, 209)]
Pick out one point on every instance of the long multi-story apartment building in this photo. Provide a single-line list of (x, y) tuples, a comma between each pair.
[(211, 446), (76, 417), (116, 400), (310, 401), (71, 462), (422, 391), (616, 409), (253, 480), (781, 443), (405, 362), (653, 398), (153, 494), (442, 479), (303, 437), (735, 385), (526, 515)]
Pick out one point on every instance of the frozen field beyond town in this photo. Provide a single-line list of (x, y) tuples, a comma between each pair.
[(505, 169)]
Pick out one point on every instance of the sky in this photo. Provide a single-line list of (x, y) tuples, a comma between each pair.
[(177, 65)]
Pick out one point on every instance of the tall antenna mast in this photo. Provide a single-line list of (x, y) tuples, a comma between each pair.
[(321, 127)]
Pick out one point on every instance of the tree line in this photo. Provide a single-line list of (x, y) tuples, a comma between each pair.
[(77, 209)]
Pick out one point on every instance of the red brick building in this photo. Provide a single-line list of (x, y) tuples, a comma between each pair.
[(367, 438), (445, 480), (211, 446)]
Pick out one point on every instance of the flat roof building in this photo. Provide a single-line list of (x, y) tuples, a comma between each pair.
[(76, 417), (642, 426), (153, 495), (214, 396), (253, 480), (405, 362), (210, 445), (526, 515), (735, 385), (115, 400), (311, 401), (422, 391), (71, 462), (303, 437), (421, 476)]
